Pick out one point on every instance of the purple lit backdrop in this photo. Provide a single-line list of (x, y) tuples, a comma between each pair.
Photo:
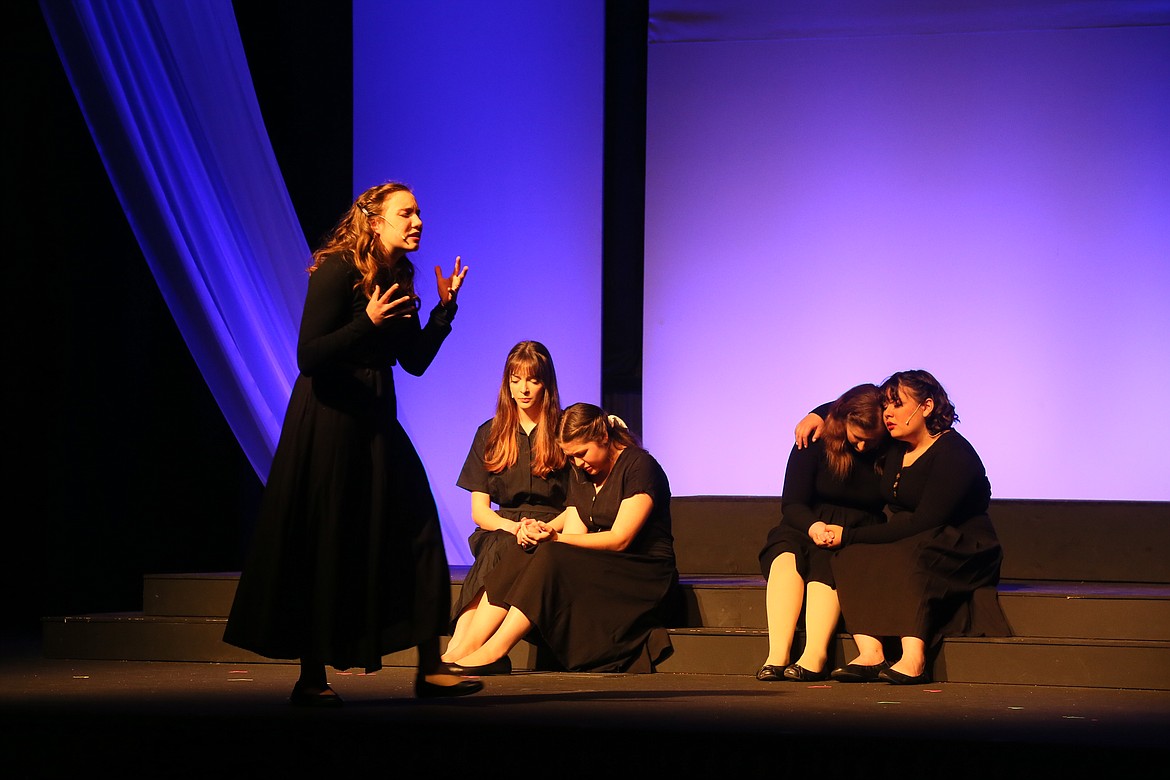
[(837, 194), (493, 114)]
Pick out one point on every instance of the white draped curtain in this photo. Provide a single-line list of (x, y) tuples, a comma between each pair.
[(165, 89)]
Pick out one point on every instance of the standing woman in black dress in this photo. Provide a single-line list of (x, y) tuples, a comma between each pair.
[(347, 563), (597, 591), (932, 570), (834, 480), (516, 464)]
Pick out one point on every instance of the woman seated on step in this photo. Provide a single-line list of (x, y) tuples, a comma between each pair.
[(931, 571), (516, 464), (594, 583), (835, 480)]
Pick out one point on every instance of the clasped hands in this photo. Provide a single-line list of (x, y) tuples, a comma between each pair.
[(530, 533), (825, 535)]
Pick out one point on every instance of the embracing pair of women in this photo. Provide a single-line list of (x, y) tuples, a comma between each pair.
[(884, 524)]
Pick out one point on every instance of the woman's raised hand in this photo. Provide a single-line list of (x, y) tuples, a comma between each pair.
[(383, 306), (449, 287)]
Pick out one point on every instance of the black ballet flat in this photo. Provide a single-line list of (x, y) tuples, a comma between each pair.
[(797, 673), (324, 698), (769, 673), (430, 690), (894, 677), (857, 673), (498, 667)]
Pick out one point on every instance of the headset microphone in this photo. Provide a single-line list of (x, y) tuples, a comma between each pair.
[(911, 417)]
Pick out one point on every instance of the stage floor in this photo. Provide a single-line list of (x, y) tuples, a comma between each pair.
[(190, 719)]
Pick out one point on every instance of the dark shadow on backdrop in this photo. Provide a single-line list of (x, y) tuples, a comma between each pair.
[(623, 208)]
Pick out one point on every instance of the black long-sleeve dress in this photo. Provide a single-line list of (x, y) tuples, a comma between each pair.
[(517, 493), (812, 492), (600, 610), (347, 562), (932, 570)]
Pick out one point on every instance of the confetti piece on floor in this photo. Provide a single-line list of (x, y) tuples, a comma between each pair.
[(238, 671), (1015, 708), (889, 702), (81, 677), (239, 679), (933, 690), (820, 686)]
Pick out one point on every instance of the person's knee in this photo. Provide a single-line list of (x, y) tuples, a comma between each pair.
[(784, 565)]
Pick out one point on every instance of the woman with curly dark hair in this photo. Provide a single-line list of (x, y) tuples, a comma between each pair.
[(931, 571)]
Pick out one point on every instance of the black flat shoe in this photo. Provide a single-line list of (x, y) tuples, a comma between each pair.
[(857, 673), (894, 677), (430, 690), (769, 673), (497, 667), (323, 698), (798, 673)]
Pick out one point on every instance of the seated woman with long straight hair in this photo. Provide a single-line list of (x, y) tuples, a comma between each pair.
[(515, 464)]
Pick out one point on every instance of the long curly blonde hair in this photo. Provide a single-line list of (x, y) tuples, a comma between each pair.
[(353, 237)]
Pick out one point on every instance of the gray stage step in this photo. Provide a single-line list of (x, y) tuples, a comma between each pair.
[(1067, 634), (1038, 609), (1033, 608), (1092, 663), (1088, 607)]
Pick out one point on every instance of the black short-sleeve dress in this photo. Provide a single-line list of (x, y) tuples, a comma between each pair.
[(812, 492), (600, 610), (517, 493), (347, 561), (932, 570)]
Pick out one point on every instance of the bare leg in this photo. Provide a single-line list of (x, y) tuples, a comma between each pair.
[(913, 660), (869, 650), (486, 620), (783, 600), (458, 644), (821, 612), (507, 636)]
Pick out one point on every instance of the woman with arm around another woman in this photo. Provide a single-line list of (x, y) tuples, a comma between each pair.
[(930, 571), (834, 480), (347, 561), (596, 589), (516, 464)]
